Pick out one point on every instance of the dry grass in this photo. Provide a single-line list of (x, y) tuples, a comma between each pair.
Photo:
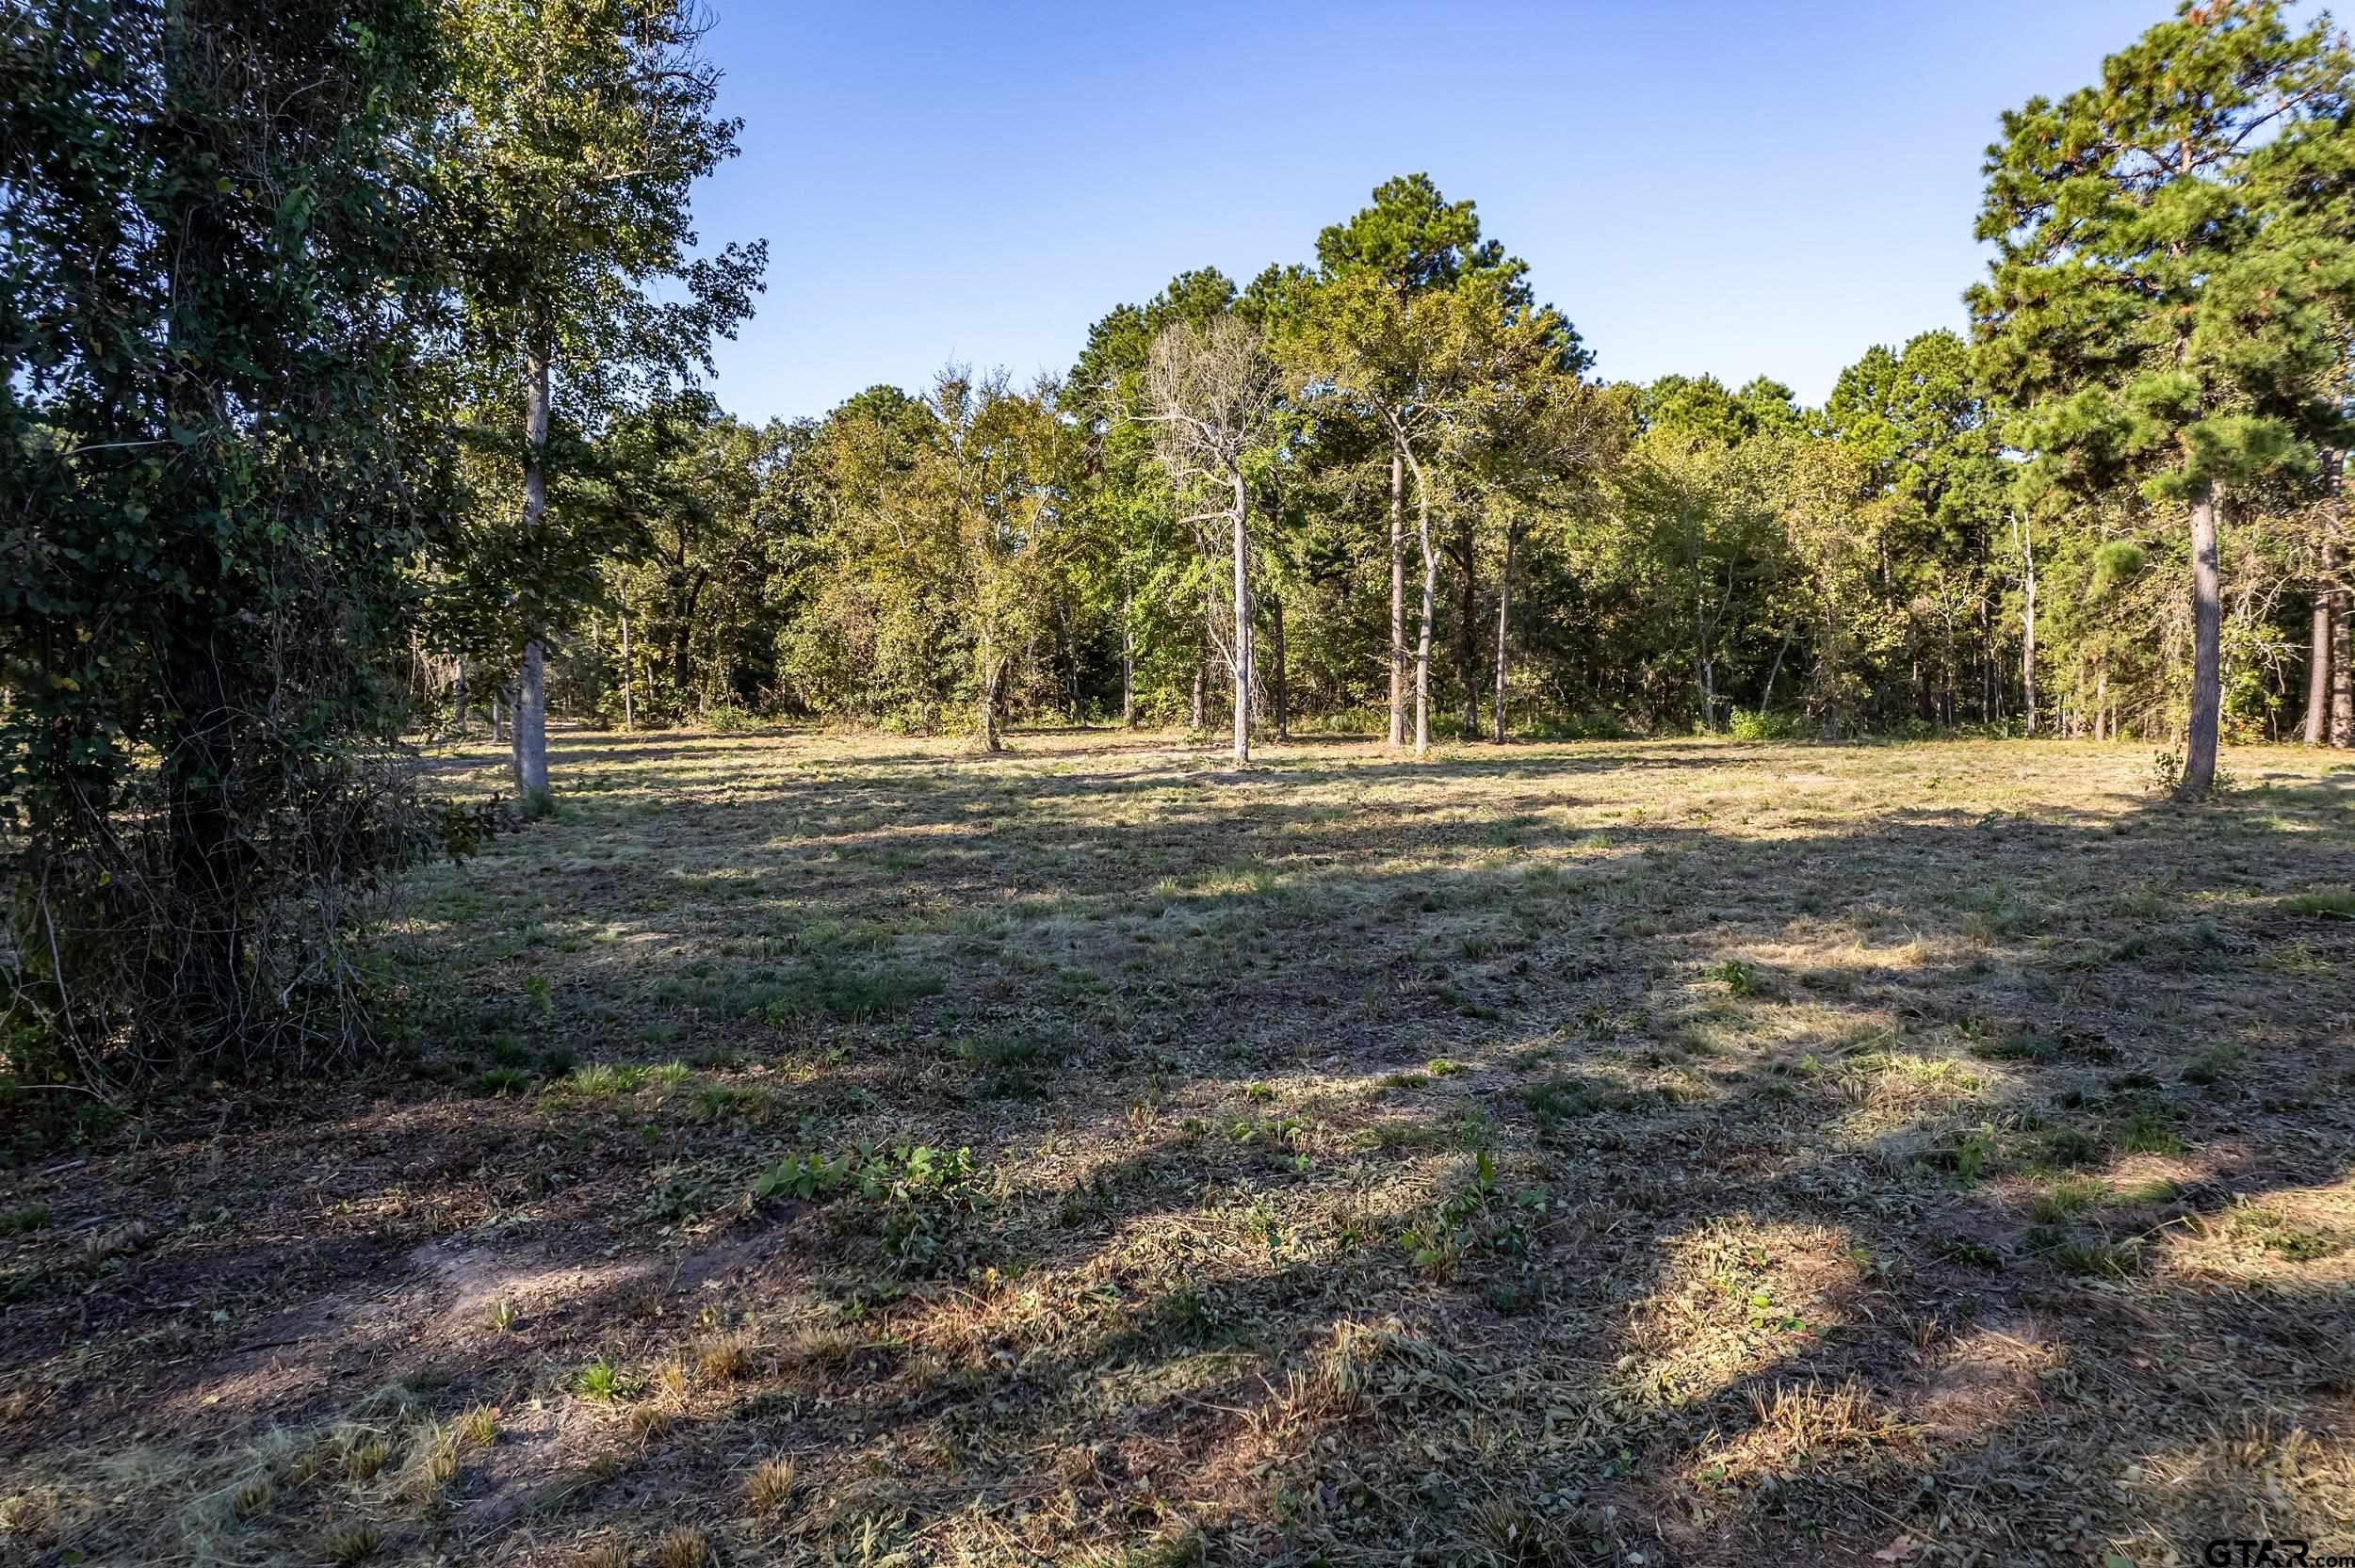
[(1554, 1153)]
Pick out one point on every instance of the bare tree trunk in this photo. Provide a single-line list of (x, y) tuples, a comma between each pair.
[(2027, 622), (1504, 612), (1278, 698), (1766, 698), (993, 679), (629, 713), (1430, 589), (1398, 594), (458, 700), (2207, 656), (1467, 631), (1243, 619), (531, 699), (2101, 700), (2318, 662), (2341, 667)]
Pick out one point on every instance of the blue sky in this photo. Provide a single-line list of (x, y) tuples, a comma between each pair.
[(1700, 185)]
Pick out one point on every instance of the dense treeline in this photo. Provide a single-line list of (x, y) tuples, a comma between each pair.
[(2110, 514), (1696, 557), (334, 412), (312, 311)]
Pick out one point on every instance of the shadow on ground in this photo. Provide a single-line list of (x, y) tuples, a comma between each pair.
[(1698, 1153)]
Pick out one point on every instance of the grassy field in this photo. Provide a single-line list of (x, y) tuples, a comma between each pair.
[(847, 1149)]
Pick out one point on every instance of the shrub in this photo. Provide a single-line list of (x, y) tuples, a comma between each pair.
[(730, 719), (1748, 724)]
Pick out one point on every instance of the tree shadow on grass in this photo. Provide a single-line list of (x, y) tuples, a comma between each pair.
[(1424, 1162)]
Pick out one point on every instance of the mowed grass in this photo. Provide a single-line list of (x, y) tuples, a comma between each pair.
[(811, 1149)]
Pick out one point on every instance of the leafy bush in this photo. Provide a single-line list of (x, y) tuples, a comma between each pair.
[(730, 719), (1749, 724)]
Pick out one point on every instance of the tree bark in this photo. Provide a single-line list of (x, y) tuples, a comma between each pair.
[(530, 728), (2027, 622), (532, 704), (458, 700), (2318, 661), (628, 712), (993, 678), (1504, 612), (1766, 698), (1430, 590), (2208, 656), (1398, 593), (2341, 667), (1242, 618), (1467, 630)]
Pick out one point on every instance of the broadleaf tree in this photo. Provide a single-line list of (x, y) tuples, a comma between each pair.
[(573, 136)]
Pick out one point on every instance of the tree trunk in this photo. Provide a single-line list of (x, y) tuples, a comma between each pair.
[(1243, 619), (1279, 699), (993, 679), (2320, 661), (683, 645), (2027, 624), (530, 728), (1430, 590), (1467, 631), (2101, 700), (531, 702), (1505, 611), (1128, 665), (458, 700), (1704, 668), (1398, 593), (2342, 668), (629, 715), (2208, 656), (1766, 698)]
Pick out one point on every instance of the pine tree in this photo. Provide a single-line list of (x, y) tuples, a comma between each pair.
[(2154, 308)]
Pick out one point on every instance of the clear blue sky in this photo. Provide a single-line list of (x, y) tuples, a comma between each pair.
[(1700, 185)]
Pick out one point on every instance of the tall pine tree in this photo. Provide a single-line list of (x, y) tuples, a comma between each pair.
[(2148, 308)]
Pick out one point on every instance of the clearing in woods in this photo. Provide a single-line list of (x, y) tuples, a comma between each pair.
[(822, 1148)]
